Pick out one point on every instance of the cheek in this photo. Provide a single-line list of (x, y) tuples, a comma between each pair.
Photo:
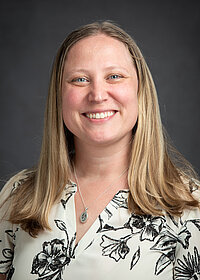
[(71, 106), (127, 97), (70, 101), (68, 105)]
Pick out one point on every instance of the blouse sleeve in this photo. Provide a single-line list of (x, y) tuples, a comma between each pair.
[(187, 253), (7, 229)]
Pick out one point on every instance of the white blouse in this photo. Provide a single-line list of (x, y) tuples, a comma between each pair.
[(119, 245)]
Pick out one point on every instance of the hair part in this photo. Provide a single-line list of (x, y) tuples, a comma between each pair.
[(156, 182)]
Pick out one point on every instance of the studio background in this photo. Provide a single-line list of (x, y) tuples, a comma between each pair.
[(167, 32)]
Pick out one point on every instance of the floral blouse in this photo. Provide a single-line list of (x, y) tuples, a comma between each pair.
[(119, 245)]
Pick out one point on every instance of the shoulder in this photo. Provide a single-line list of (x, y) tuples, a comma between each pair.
[(192, 212), (187, 250), (194, 186), (13, 183)]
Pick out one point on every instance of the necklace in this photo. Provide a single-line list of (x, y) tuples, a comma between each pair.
[(84, 214)]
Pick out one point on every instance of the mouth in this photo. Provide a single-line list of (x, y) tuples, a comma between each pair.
[(100, 115)]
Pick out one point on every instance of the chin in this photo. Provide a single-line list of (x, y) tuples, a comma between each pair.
[(103, 141)]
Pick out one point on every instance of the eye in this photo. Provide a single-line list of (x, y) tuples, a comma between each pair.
[(79, 80), (114, 77)]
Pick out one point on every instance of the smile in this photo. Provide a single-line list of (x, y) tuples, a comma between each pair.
[(100, 115)]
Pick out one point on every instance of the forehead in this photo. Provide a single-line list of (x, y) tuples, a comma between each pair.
[(97, 47)]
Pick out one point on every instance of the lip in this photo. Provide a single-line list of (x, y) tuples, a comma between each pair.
[(109, 115), (100, 111)]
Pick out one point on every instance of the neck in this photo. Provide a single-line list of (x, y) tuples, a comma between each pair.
[(97, 162)]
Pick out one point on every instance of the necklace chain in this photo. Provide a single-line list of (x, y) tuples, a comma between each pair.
[(84, 214)]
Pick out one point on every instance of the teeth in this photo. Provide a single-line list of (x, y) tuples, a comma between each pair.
[(101, 115), (110, 114)]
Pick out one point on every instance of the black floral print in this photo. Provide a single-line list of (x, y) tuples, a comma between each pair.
[(22, 179), (120, 200), (195, 222), (193, 185), (70, 190), (135, 258), (189, 269), (115, 249), (52, 258), (8, 254), (50, 262), (149, 227), (167, 244), (162, 245)]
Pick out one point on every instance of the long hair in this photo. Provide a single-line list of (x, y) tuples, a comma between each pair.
[(155, 180)]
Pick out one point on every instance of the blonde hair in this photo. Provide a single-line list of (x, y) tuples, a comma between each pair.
[(155, 181)]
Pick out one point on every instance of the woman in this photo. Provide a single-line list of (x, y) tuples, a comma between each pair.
[(106, 200)]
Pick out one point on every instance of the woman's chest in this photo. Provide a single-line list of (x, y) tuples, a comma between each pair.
[(118, 244), (110, 253), (86, 214)]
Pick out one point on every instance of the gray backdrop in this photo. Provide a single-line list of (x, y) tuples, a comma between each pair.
[(31, 32)]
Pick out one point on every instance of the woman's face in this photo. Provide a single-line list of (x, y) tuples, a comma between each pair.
[(99, 91)]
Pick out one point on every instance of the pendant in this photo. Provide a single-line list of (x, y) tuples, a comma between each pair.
[(84, 216)]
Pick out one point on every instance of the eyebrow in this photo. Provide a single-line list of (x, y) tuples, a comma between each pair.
[(78, 70), (112, 67), (108, 68)]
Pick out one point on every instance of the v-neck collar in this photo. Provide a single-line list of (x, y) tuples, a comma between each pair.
[(119, 200)]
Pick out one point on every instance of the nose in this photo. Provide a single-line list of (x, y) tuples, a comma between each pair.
[(98, 93)]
